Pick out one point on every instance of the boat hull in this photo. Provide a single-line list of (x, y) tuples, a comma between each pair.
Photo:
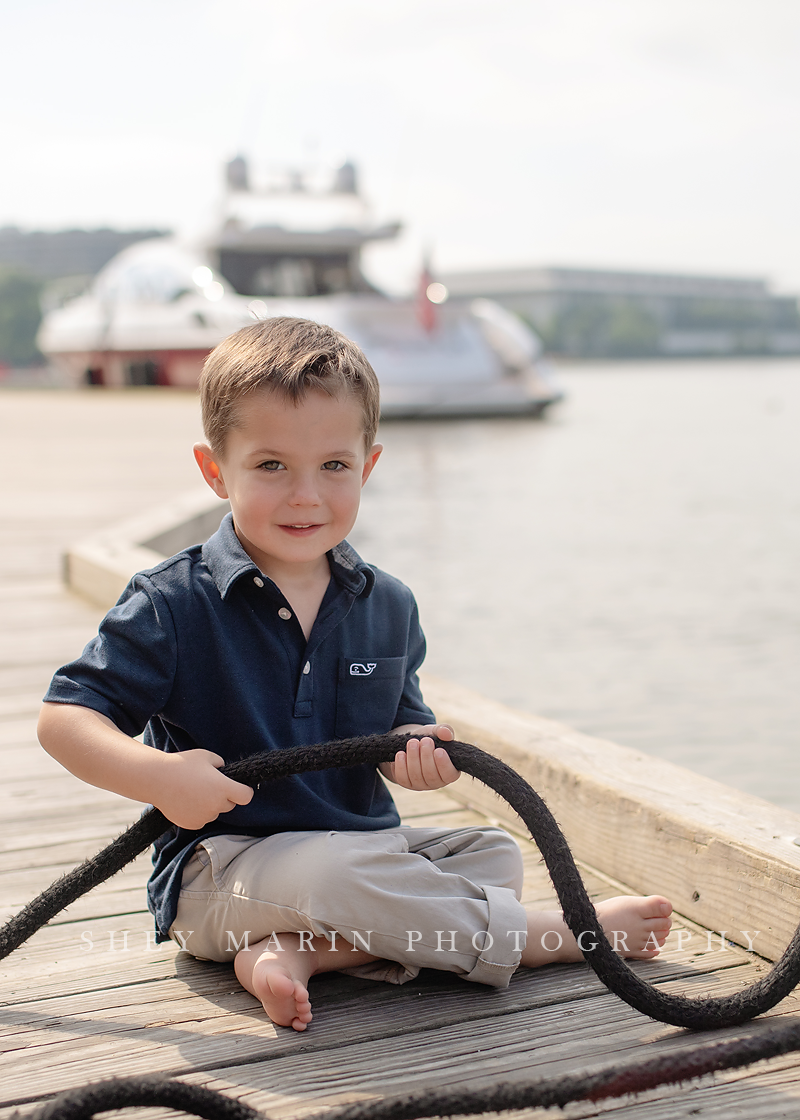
[(458, 359)]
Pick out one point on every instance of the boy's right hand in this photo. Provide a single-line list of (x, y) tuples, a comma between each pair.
[(193, 791), (186, 786)]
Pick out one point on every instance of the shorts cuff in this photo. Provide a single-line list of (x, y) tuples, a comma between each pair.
[(504, 940)]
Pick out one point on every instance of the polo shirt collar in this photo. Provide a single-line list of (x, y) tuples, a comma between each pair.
[(227, 562), (349, 569)]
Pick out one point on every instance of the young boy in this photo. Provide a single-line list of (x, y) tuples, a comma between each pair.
[(274, 634)]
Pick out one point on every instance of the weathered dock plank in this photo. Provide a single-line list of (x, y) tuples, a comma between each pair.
[(540, 1041), (438, 1027), (726, 859)]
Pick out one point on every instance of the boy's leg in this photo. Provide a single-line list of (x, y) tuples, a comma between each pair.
[(220, 917), (485, 931), (363, 892), (393, 895), (637, 927), (485, 855)]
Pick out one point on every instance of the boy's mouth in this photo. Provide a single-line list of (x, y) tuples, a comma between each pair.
[(300, 529)]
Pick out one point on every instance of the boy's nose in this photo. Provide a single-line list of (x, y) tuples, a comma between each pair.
[(304, 493)]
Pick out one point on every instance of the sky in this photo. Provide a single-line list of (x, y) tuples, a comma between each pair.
[(652, 134)]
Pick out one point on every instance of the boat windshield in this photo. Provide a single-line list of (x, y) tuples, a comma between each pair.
[(156, 272)]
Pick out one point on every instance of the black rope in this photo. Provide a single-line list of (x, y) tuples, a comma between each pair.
[(143, 1092), (603, 1082), (579, 914)]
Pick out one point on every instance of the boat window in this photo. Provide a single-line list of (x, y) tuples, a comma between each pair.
[(255, 273)]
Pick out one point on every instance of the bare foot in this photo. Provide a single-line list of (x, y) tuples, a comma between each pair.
[(277, 970), (284, 999), (636, 927)]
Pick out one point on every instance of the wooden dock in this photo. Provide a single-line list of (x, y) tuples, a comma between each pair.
[(90, 997)]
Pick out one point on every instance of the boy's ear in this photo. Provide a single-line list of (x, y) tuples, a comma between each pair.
[(372, 457), (207, 462)]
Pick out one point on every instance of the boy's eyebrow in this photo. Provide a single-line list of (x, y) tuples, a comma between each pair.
[(268, 452)]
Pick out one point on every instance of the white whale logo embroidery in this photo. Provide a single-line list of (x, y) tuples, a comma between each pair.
[(359, 669)]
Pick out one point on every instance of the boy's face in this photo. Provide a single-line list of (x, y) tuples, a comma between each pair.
[(293, 474)]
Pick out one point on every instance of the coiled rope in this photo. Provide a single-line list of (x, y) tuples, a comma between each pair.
[(579, 914)]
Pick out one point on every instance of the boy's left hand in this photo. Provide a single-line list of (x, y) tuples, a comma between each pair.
[(423, 764)]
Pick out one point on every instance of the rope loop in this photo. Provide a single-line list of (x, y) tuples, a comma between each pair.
[(579, 914)]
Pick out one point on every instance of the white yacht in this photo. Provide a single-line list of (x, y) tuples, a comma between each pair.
[(154, 312)]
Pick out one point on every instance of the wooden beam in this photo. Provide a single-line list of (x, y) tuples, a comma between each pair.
[(727, 860), (100, 567)]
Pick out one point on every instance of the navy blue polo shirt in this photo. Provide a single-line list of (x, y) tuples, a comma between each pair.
[(205, 651)]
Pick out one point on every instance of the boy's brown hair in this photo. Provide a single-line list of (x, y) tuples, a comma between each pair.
[(290, 357)]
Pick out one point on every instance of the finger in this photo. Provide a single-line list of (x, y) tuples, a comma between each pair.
[(238, 793), (215, 759), (445, 732), (400, 769), (413, 765), (428, 768), (444, 766)]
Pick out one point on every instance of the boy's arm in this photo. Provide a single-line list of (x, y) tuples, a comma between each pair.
[(422, 765), (186, 786)]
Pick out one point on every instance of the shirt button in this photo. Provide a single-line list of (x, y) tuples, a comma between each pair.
[(307, 668), (284, 613), (258, 581)]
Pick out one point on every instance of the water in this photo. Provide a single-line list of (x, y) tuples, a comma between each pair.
[(630, 565)]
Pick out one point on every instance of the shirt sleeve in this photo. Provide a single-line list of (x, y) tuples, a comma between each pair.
[(125, 673), (412, 707)]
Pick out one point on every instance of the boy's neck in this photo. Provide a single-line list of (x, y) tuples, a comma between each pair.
[(304, 587)]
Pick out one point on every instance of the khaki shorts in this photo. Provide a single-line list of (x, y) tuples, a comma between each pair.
[(414, 897)]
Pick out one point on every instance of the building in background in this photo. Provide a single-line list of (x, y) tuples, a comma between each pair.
[(54, 254), (593, 313)]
